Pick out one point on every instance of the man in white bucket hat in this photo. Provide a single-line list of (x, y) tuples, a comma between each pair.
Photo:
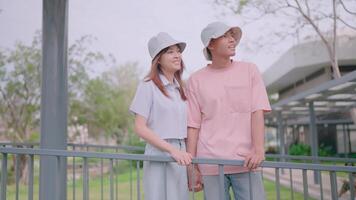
[(226, 103), (216, 30), (160, 112)]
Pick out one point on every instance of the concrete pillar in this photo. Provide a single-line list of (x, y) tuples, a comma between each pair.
[(54, 98)]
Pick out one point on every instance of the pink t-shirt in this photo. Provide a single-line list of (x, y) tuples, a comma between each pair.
[(220, 103)]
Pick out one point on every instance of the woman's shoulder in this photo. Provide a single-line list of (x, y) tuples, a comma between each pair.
[(145, 84)]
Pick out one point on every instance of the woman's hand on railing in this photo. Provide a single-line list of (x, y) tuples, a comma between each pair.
[(198, 182), (182, 157)]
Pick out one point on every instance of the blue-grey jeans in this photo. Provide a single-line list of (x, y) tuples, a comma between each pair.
[(240, 186)]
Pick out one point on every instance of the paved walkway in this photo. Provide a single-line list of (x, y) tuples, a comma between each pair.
[(297, 177)]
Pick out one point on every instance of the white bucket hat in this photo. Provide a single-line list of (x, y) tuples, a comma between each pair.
[(215, 30), (161, 41)]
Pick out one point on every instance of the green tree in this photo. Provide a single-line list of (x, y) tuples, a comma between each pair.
[(107, 100), (20, 84), (20, 74), (79, 58), (20, 90)]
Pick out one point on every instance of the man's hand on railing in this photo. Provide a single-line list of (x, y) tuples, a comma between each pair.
[(198, 182), (254, 160)]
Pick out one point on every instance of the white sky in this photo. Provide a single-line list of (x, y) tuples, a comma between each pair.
[(123, 28)]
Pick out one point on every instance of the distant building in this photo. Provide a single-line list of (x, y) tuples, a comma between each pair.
[(303, 67)]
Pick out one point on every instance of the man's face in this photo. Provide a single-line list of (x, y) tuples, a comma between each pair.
[(223, 46)]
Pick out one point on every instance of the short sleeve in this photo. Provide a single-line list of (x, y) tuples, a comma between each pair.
[(142, 102), (194, 113), (259, 94)]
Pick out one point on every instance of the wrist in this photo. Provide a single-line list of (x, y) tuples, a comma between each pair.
[(171, 149), (193, 166), (260, 151)]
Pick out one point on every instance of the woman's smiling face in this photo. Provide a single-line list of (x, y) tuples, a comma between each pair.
[(171, 60)]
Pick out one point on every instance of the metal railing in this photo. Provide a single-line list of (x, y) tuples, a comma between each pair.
[(311, 158), (135, 162), (101, 148), (73, 146)]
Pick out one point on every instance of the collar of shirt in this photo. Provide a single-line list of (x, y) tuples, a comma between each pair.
[(166, 83)]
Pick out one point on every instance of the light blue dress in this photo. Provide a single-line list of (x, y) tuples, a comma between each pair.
[(167, 117)]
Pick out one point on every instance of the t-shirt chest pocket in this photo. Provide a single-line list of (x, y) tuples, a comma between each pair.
[(238, 98)]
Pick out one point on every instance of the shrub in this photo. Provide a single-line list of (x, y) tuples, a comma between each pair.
[(299, 149)]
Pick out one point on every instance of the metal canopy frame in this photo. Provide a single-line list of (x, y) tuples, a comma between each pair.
[(338, 95), (335, 96)]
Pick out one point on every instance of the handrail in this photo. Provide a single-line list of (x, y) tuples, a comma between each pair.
[(121, 156), (136, 148)]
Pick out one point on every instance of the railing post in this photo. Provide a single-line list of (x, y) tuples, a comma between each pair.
[(193, 181), (30, 178), (111, 179), (250, 185), (352, 186), (116, 177), (17, 176), (321, 185), (333, 184), (305, 184), (3, 176), (313, 135), (291, 183), (131, 187), (85, 179), (138, 180), (73, 168), (222, 182), (278, 193), (165, 180), (101, 176)]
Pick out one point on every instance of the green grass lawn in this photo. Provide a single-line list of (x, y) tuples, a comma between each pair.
[(123, 186)]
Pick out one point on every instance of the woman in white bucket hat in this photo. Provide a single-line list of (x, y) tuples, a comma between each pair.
[(160, 112)]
